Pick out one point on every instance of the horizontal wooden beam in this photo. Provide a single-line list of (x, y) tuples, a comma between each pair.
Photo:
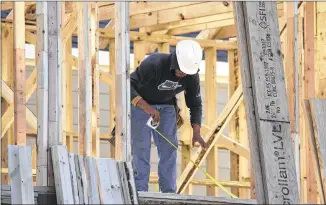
[(140, 7), (207, 182), (190, 22), (172, 40), (200, 27)]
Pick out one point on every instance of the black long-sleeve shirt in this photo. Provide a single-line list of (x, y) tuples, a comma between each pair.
[(154, 80)]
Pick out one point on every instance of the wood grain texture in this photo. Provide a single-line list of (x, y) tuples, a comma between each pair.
[(81, 179), (73, 175), (264, 67), (62, 176), (318, 131), (19, 73), (85, 81), (110, 187), (92, 181), (20, 173), (122, 82), (55, 68), (42, 93)]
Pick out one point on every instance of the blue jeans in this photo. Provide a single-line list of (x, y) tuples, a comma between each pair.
[(141, 147)]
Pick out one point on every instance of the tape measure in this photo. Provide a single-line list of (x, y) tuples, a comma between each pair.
[(152, 125)]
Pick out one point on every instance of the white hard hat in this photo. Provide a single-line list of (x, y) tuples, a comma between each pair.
[(189, 54)]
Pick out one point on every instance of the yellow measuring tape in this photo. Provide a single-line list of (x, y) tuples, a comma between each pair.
[(207, 175)]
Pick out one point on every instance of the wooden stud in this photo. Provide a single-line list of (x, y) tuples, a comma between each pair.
[(234, 125), (112, 91), (19, 73), (122, 83), (308, 182), (139, 53), (95, 82), (85, 81), (42, 93), (69, 95), (55, 86), (210, 106), (316, 113), (7, 76)]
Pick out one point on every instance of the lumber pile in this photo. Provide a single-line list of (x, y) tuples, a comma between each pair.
[(315, 110), (89, 180), (78, 179)]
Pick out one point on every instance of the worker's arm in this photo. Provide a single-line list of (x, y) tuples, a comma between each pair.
[(145, 72), (194, 103)]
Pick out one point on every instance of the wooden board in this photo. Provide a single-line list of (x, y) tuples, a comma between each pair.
[(92, 181), (81, 179), (265, 68), (316, 114), (131, 182), (124, 182), (122, 82), (42, 93), (73, 175), (62, 176), (20, 173), (110, 188)]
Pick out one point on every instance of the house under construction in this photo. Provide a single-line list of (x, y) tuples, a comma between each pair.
[(65, 77)]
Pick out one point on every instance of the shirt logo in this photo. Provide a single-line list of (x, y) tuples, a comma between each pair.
[(168, 85)]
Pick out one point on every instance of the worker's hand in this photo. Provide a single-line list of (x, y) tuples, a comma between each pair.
[(149, 110), (155, 115), (197, 137)]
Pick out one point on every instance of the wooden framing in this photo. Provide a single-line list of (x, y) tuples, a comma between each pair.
[(54, 119)]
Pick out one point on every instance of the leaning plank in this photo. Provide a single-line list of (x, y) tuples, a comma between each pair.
[(92, 183), (270, 101), (124, 182), (81, 179), (20, 173), (211, 139), (131, 183), (71, 158), (109, 183), (62, 178), (316, 115)]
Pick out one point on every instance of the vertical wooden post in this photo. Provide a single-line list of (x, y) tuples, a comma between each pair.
[(112, 91), (19, 73), (292, 72), (85, 81), (139, 53), (65, 64), (234, 122), (42, 93), (308, 179), (8, 78), (95, 82), (122, 67), (69, 95), (55, 78), (210, 106), (163, 48)]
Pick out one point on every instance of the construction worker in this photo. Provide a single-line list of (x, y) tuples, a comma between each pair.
[(154, 86)]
